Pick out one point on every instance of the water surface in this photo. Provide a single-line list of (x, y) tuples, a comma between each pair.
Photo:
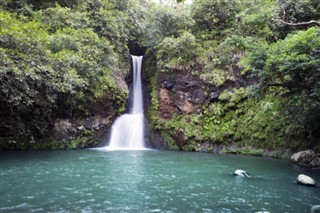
[(149, 181)]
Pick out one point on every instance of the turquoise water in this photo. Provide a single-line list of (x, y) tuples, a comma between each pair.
[(149, 181)]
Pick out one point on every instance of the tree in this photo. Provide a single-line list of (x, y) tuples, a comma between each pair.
[(164, 20), (47, 73), (178, 53), (291, 68), (297, 15), (256, 18), (213, 17)]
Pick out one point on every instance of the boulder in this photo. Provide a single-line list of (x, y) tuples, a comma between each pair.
[(306, 180), (315, 162), (315, 209), (304, 157)]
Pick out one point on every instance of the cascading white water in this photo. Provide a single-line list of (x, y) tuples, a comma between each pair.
[(128, 130)]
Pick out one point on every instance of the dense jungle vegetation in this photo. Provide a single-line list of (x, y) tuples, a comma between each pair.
[(258, 61)]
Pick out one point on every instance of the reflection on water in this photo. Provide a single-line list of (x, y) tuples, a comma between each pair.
[(149, 181)]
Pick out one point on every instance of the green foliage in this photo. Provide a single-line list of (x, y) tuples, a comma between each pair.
[(298, 11), (169, 140), (49, 72), (161, 21), (153, 111), (256, 17), (235, 117), (220, 62), (291, 67), (294, 62), (214, 75), (240, 39), (260, 124), (58, 17), (178, 53), (213, 18), (84, 140), (60, 58)]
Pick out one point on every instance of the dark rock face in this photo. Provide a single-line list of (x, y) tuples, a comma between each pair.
[(181, 101), (155, 141), (166, 108), (64, 129), (182, 94)]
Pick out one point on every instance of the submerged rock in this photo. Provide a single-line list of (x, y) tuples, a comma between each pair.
[(306, 180), (241, 173)]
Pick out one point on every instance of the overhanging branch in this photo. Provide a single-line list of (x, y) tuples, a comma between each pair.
[(299, 23)]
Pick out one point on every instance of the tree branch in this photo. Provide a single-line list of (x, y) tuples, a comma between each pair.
[(299, 23)]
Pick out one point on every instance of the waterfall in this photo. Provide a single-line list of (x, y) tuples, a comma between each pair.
[(128, 130)]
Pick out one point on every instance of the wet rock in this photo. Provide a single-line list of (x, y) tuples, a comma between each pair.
[(155, 141), (213, 96), (306, 180), (168, 84), (315, 162), (198, 96), (315, 209), (304, 157)]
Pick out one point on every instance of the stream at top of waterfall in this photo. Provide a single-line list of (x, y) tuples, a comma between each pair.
[(150, 181)]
